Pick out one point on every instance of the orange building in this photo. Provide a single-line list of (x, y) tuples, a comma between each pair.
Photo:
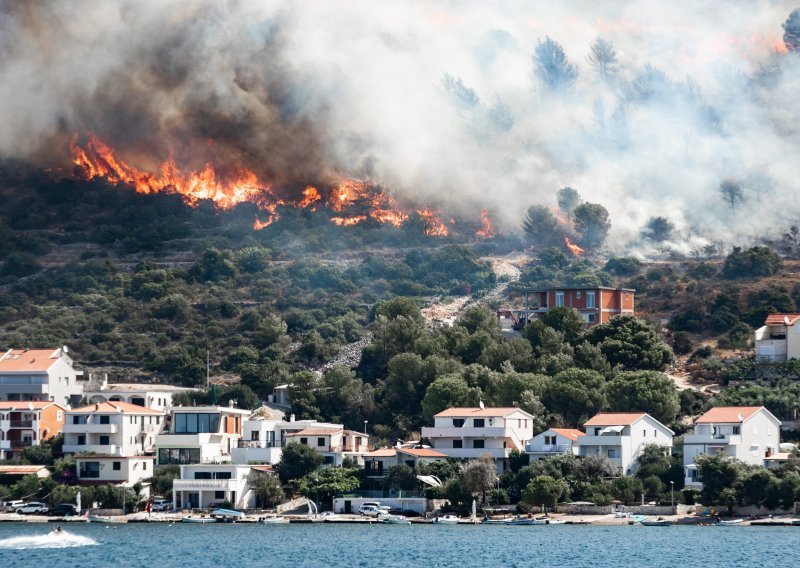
[(27, 423), (596, 305)]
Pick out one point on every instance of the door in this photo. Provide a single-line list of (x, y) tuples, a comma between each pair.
[(348, 507)]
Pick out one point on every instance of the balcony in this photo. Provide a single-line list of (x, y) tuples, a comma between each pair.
[(110, 449), (771, 350), (453, 432), (549, 449), (187, 440), (258, 444), (91, 428), (20, 423), (599, 441), (713, 439), (471, 453), (204, 485)]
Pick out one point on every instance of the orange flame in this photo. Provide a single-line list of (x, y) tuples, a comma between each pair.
[(573, 248), (487, 229), (433, 224), (258, 224), (310, 196), (348, 221)]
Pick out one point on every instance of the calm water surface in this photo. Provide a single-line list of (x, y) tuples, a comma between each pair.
[(89, 545)]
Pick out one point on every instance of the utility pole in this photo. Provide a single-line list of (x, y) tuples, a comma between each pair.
[(208, 368)]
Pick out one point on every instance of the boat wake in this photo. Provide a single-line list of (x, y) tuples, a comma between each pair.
[(52, 539)]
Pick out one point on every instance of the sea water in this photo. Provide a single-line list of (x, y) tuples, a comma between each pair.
[(328, 545)]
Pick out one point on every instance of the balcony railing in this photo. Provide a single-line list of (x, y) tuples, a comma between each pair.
[(21, 423), (258, 444), (549, 449), (204, 484)]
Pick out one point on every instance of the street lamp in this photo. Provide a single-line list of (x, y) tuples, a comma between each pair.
[(365, 427), (672, 495)]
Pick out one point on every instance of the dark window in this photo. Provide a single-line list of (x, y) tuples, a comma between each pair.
[(104, 441), (374, 467), (178, 456), (202, 475), (199, 423), (735, 430), (219, 495), (254, 435), (327, 460), (479, 422), (144, 466), (81, 440), (105, 419), (410, 463), (458, 422), (222, 475), (117, 466), (90, 469), (477, 443), (458, 443), (320, 442), (304, 441)]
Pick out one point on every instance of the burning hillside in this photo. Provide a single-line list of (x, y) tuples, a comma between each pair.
[(349, 202)]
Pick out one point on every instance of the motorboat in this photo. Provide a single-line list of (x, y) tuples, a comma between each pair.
[(731, 523), (393, 520), (656, 523), (556, 522), (103, 519), (273, 520), (227, 515), (199, 520), (488, 521), (446, 520), (526, 521)]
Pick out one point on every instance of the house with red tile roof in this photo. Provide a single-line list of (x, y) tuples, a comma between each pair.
[(378, 462), (39, 374), (28, 423), (553, 441), (779, 338), (748, 433), (621, 437), (477, 431)]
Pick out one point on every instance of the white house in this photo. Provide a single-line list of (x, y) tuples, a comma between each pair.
[(39, 374), (475, 432), (333, 442), (748, 433), (112, 442), (378, 462), (552, 442), (207, 485), (201, 434), (779, 338), (155, 396), (621, 436)]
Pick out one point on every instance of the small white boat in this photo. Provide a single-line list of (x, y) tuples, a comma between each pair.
[(393, 520), (200, 520), (656, 523), (556, 522), (446, 520), (274, 520), (488, 521), (731, 523), (103, 519), (526, 521)]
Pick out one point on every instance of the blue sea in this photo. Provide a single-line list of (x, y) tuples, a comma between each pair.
[(91, 545)]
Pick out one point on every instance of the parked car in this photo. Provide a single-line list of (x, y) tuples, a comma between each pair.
[(32, 508), (11, 506), (373, 509), (159, 505), (62, 510)]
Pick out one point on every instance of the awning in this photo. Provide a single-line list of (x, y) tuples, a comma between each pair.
[(612, 430)]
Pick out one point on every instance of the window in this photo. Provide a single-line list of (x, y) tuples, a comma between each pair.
[(736, 430), (144, 466), (104, 441), (81, 440), (79, 419), (458, 422), (578, 294), (589, 299), (59, 416), (105, 419), (219, 495), (478, 422), (327, 460), (549, 440), (90, 470), (117, 466), (644, 433), (178, 456), (411, 463), (458, 443), (655, 433), (612, 453), (320, 442), (559, 299), (304, 441), (477, 444), (374, 467), (589, 318), (254, 435), (199, 423)]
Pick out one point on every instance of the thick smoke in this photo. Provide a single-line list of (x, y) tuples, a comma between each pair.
[(440, 102)]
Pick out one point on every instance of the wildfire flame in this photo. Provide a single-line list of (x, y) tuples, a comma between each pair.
[(487, 229), (348, 221), (310, 197), (433, 224), (573, 248)]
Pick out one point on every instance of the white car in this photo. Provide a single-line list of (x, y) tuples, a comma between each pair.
[(32, 508), (373, 510), (159, 505)]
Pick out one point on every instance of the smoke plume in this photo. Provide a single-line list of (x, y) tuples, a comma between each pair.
[(441, 102)]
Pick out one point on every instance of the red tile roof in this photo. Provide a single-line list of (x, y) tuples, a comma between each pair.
[(20, 469), (479, 412), (19, 360), (570, 433), (382, 453), (781, 319), (422, 452), (614, 419), (728, 414), (116, 406), (314, 432), (23, 405)]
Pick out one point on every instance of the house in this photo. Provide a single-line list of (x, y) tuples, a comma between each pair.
[(16, 471), (552, 442), (112, 442), (28, 423), (378, 462), (39, 374), (595, 304), (200, 434), (203, 486), (333, 442), (155, 396), (748, 433), (475, 432), (621, 437), (779, 338)]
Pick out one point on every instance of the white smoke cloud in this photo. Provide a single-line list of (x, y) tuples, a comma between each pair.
[(357, 87)]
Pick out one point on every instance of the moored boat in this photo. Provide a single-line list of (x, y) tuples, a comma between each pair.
[(445, 520), (731, 523), (393, 520), (273, 520), (103, 519), (656, 523), (199, 520)]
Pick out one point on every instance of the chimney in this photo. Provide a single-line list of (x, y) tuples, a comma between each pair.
[(97, 406), (291, 418)]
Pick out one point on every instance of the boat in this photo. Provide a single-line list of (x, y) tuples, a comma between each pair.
[(488, 521), (731, 523), (526, 521), (273, 520), (446, 520), (200, 520), (394, 520), (103, 519), (556, 522), (656, 523), (227, 515)]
